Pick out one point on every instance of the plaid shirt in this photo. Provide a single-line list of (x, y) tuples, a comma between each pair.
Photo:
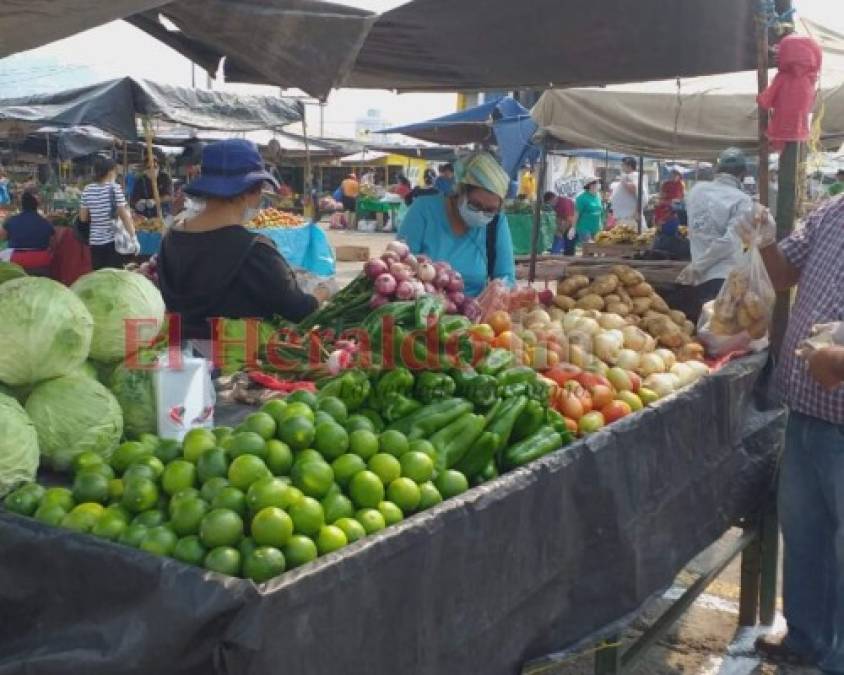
[(817, 250)]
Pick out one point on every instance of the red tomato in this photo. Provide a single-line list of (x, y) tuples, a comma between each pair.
[(563, 372), (570, 405), (571, 425), (583, 396), (591, 380), (635, 381), (601, 396), (615, 410), (500, 321), (590, 422)]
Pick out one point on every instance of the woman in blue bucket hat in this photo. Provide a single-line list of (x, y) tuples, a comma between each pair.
[(210, 265)]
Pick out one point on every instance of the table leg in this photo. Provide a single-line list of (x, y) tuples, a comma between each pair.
[(750, 580), (608, 657)]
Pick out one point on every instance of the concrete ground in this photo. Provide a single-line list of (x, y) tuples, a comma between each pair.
[(707, 640)]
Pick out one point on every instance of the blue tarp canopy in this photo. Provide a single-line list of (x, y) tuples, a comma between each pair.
[(503, 122)]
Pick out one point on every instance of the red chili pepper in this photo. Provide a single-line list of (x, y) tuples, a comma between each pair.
[(270, 382)]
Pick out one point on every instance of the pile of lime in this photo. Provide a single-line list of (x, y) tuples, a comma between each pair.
[(298, 479)]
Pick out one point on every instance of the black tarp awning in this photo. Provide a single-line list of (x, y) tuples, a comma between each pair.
[(423, 45), (113, 106)]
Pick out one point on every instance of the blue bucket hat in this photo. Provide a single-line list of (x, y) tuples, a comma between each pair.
[(229, 168)]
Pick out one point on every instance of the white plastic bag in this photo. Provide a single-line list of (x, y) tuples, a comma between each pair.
[(184, 396)]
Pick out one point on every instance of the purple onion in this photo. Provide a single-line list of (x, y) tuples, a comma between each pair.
[(429, 287), (375, 268), (385, 284), (450, 307), (422, 258), (442, 279), (455, 282), (441, 266), (457, 298), (390, 257), (399, 248), (400, 271), (405, 291), (472, 310), (411, 261), (377, 301)]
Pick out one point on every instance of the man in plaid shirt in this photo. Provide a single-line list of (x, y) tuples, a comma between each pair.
[(811, 490)]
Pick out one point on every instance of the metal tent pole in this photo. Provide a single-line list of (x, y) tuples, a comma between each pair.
[(537, 211), (639, 194)]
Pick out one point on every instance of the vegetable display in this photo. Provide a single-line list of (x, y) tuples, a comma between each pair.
[(9, 271), (134, 392), (18, 445)]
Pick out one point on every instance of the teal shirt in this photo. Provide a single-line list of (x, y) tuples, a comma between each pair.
[(591, 211), (426, 230)]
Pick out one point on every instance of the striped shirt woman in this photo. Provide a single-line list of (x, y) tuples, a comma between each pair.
[(96, 208)]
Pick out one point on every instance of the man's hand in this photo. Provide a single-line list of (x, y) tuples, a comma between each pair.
[(826, 365)]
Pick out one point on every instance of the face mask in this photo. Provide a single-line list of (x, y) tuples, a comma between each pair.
[(471, 217)]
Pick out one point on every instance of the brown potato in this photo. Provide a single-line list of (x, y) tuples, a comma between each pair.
[(617, 307), (721, 326), (611, 298), (754, 305), (640, 290), (692, 351), (737, 284), (633, 319), (564, 302), (622, 293), (677, 317), (758, 329), (672, 337), (641, 305), (743, 318), (571, 285), (658, 304), (688, 327), (605, 284), (724, 308), (591, 301), (632, 278), (621, 270)]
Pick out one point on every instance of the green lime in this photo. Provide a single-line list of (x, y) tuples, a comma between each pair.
[(58, 496), (211, 488), (263, 564), (363, 443), (90, 487), (356, 422), (182, 495), (85, 460), (115, 489), (291, 495), (126, 453), (417, 466), (271, 527), (102, 468), (307, 455), (274, 408), (178, 475), (133, 535), (155, 464), (374, 419), (313, 478), (248, 443), (321, 417), (109, 526), (190, 550), (139, 494), (150, 518), (187, 515), (393, 442), (451, 483), (197, 441), (299, 550), (337, 506), (307, 515), (346, 466), (212, 464), (424, 446), (83, 517), (51, 514), (150, 441), (221, 432), (245, 470), (371, 520), (279, 457), (330, 539), (296, 409), (266, 492), (302, 396), (230, 498), (391, 512), (366, 489), (119, 511), (334, 407), (351, 528), (404, 493), (138, 470), (34, 489), (385, 466), (223, 559), (331, 440), (297, 432), (168, 449), (21, 501), (261, 423), (428, 496), (221, 527), (159, 540), (246, 546)]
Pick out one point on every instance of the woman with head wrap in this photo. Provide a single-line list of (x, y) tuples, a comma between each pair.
[(466, 229)]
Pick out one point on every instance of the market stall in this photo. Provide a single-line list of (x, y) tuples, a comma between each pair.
[(521, 230)]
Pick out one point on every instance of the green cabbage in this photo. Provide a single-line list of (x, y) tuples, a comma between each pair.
[(88, 369), (134, 391), (9, 271), (113, 296), (74, 414), (45, 331), (18, 446)]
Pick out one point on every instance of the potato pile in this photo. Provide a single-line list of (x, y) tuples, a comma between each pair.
[(626, 293), (737, 308)]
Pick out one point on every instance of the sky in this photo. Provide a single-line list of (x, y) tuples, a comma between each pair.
[(117, 49)]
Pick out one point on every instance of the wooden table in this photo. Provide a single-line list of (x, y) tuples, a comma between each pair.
[(552, 267), (614, 250)]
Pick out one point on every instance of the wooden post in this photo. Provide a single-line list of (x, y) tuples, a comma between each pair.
[(150, 158), (537, 212), (786, 213), (762, 82), (640, 195)]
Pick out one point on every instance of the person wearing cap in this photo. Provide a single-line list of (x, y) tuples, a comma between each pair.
[(714, 208), (210, 265), (466, 229)]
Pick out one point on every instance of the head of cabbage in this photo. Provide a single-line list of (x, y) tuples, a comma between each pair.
[(136, 396), (18, 446), (74, 414), (113, 297), (9, 271), (45, 331)]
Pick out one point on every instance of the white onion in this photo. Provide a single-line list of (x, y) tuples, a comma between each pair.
[(684, 374), (650, 343), (578, 356), (667, 356), (662, 383), (587, 326), (556, 313), (537, 317), (612, 321), (649, 364), (607, 346), (628, 359), (634, 338), (699, 367)]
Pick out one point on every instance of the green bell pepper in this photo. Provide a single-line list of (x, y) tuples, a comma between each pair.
[(397, 381), (504, 420), (428, 307), (432, 386), (533, 447), (496, 361), (516, 375), (431, 418), (394, 406), (479, 454), (453, 441), (462, 377), (452, 323), (351, 387), (530, 421), (482, 391)]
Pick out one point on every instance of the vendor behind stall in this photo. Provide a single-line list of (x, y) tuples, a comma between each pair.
[(211, 265), (28, 235), (143, 196), (466, 229)]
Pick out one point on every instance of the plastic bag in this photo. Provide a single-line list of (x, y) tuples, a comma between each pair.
[(741, 314), (493, 298), (185, 396)]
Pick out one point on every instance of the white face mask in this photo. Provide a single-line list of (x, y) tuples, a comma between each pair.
[(470, 216)]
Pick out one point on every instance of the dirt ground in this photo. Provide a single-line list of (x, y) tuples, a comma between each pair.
[(707, 640)]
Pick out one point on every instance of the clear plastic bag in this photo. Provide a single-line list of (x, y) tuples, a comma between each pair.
[(493, 298)]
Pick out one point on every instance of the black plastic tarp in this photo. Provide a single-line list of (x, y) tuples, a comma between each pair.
[(113, 106), (535, 561)]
